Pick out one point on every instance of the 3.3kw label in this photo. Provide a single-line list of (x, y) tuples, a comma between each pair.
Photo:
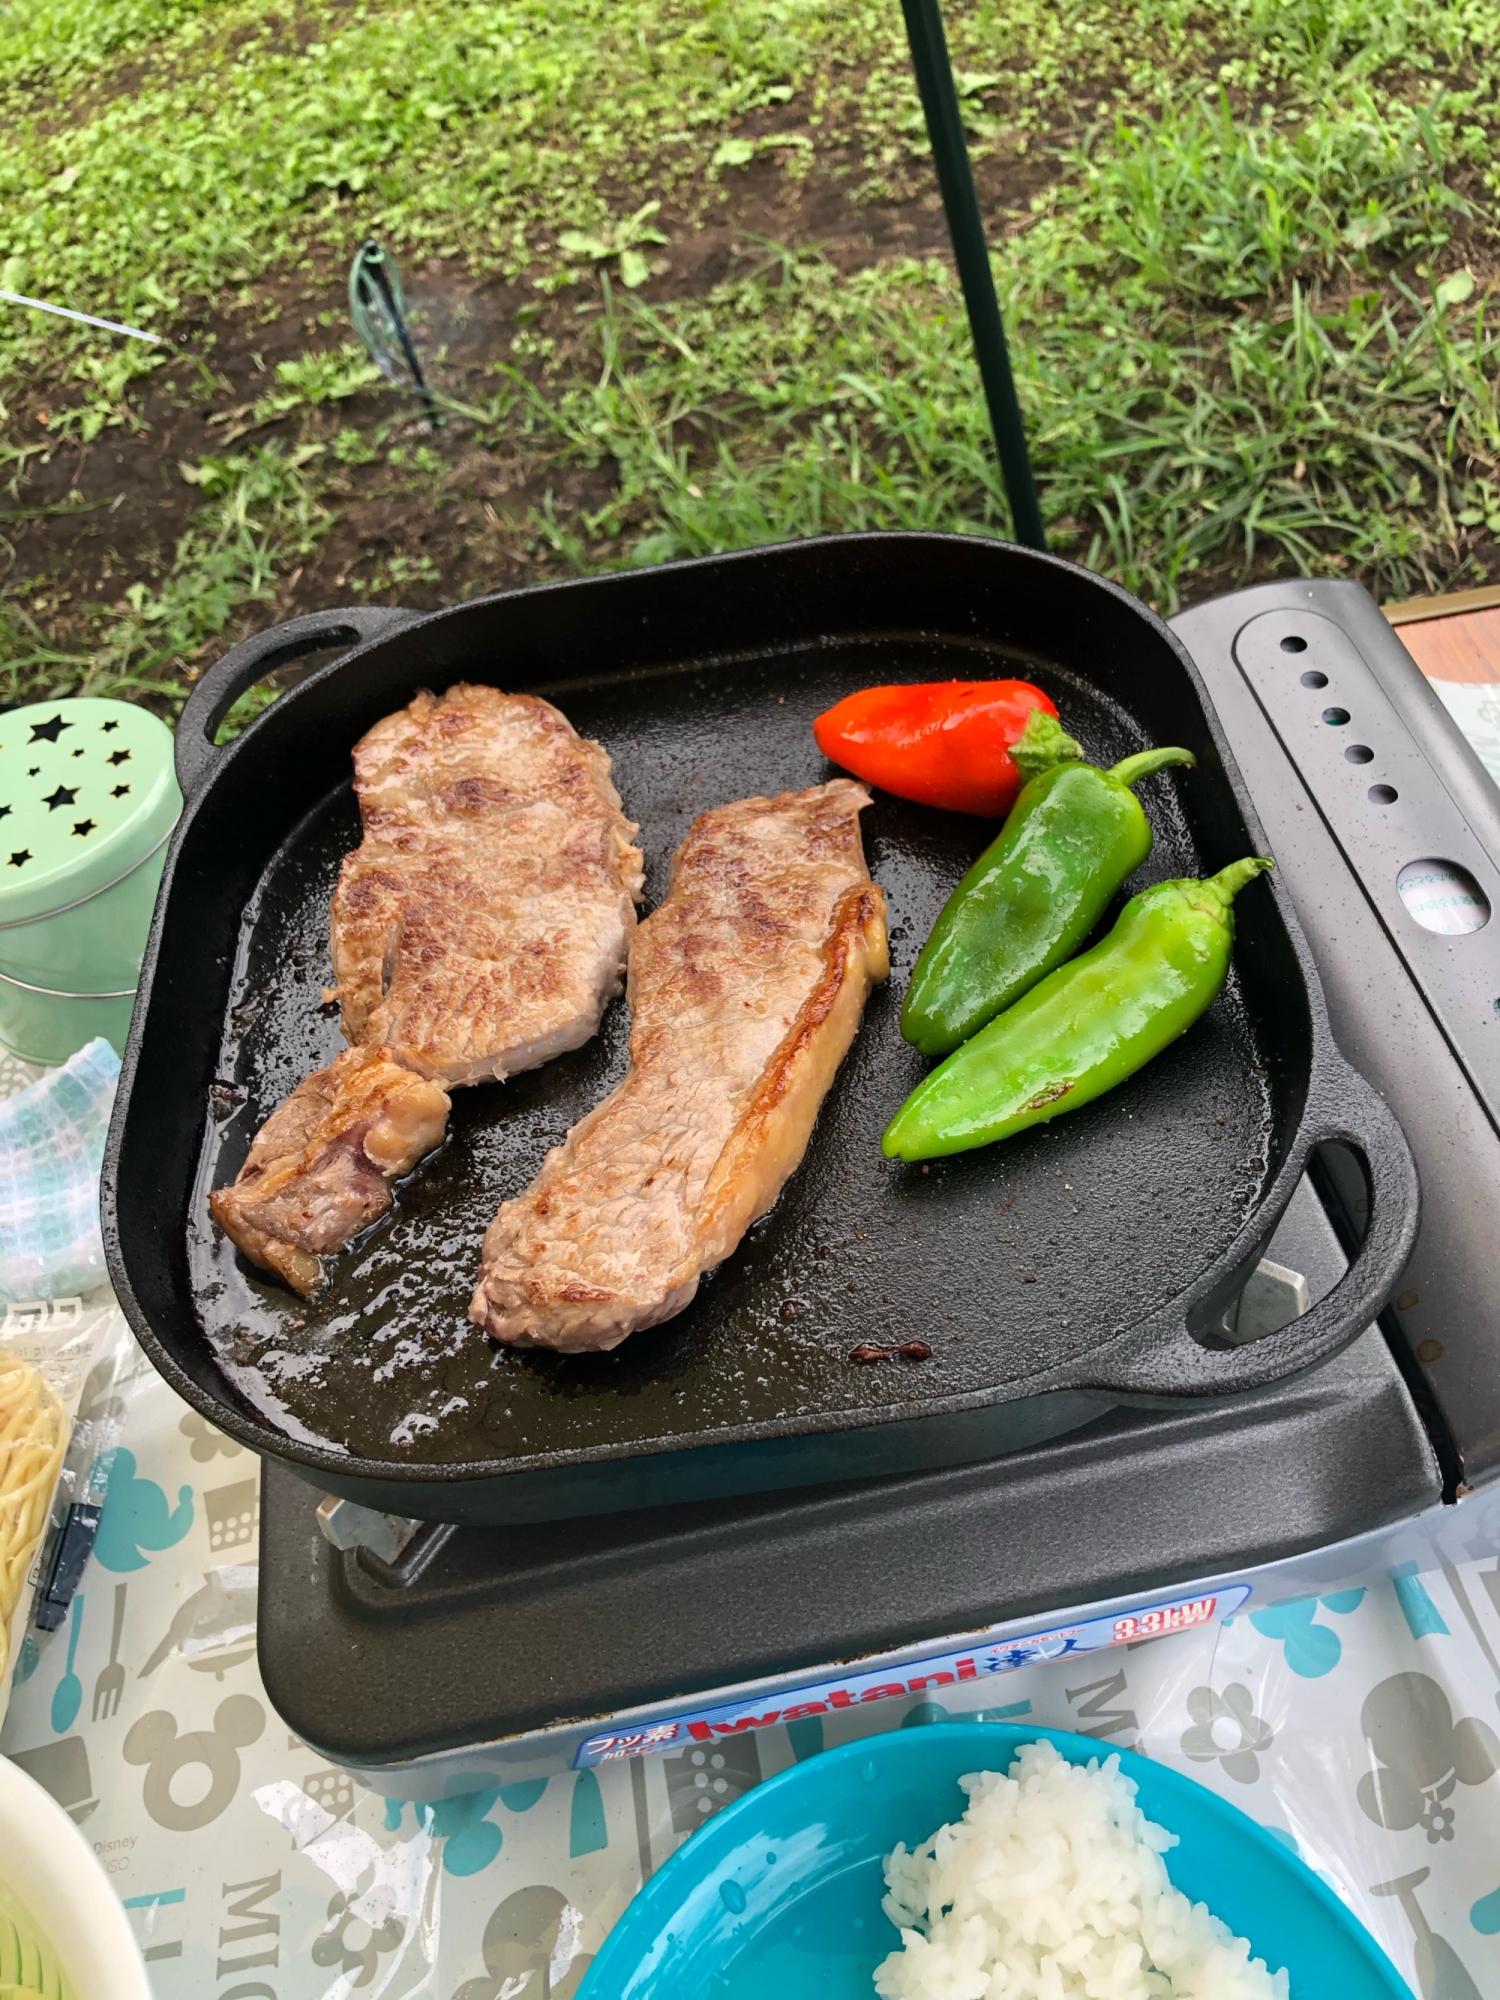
[(1120, 1628)]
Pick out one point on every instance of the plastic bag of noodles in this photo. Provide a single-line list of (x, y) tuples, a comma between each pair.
[(46, 1350)]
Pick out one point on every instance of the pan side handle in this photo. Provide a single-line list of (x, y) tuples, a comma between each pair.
[(1164, 1361), (252, 659)]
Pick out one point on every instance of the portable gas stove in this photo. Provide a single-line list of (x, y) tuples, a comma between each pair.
[(432, 1660)]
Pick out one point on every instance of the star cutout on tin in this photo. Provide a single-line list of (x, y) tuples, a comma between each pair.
[(83, 826), (49, 731), (106, 727), (20, 860), (61, 797), (118, 793), (4, 812), (118, 757)]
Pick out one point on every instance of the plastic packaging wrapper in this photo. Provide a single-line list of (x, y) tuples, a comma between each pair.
[(46, 1350), (1361, 1727)]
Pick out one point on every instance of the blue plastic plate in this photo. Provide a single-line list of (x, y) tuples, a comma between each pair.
[(778, 1898)]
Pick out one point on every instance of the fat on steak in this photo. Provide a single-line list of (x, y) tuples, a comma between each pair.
[(747, 987), (480, 927), (321, 1166), (484, 921)]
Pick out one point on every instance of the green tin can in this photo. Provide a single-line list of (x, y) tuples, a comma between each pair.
[(88, 798)]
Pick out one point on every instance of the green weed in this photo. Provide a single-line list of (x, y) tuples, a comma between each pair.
[(1199, 201), (623, 242), (314, 379)]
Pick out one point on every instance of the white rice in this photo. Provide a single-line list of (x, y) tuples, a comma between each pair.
[(1052, 1887)]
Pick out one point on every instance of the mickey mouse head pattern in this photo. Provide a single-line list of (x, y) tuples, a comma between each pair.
[(535, 1931), (353, 1945), (1421, 1756), (154, 1742)]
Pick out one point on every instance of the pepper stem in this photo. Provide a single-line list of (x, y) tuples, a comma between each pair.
[(1041, 744), (1227, 884), (1130, 770)]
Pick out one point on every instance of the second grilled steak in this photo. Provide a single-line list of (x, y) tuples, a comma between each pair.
[(480, 928), (747, 987)]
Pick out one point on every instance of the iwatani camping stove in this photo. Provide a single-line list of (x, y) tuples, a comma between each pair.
[(432, 1660)]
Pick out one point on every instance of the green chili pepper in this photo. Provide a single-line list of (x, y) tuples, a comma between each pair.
[(1086, 1027), (1030, 900)]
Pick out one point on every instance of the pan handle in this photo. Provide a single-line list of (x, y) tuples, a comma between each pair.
[(1165, 1361), (252, 659)]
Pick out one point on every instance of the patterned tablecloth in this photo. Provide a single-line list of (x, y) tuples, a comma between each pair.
[(1360, 1727)]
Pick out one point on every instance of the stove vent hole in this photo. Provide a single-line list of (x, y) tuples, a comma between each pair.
[(1335, 717), (1292, 644), (1315, 680), (1382, 795), (1360, 753), (1443, 897)]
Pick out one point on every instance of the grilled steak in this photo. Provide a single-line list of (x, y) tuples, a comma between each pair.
[(480, 927), (322, 1164), (747, 987), (484, 921)]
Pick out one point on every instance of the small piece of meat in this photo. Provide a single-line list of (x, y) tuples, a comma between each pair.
[(484, 922), (747, 987), (322, 1164)]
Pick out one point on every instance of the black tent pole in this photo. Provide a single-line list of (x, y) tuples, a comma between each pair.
[(929, 54)]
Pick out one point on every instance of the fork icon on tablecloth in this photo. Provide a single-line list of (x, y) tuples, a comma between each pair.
[(111, 1682)]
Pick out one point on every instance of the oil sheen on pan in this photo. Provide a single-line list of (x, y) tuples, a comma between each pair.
[(1006, 1261)]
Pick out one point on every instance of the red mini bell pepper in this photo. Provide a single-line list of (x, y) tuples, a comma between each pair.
[(942, 743)]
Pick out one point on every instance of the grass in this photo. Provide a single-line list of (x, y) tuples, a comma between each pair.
[(1348, 422), (811, 402), (258, 512), (1246, 250), (256, 130)]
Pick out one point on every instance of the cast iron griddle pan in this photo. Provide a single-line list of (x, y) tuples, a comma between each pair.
[(1079, 1265)]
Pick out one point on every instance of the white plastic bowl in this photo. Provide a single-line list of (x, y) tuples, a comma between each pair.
[(51, 1871)]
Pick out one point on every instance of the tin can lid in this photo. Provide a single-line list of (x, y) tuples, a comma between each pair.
[(87, 792)]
